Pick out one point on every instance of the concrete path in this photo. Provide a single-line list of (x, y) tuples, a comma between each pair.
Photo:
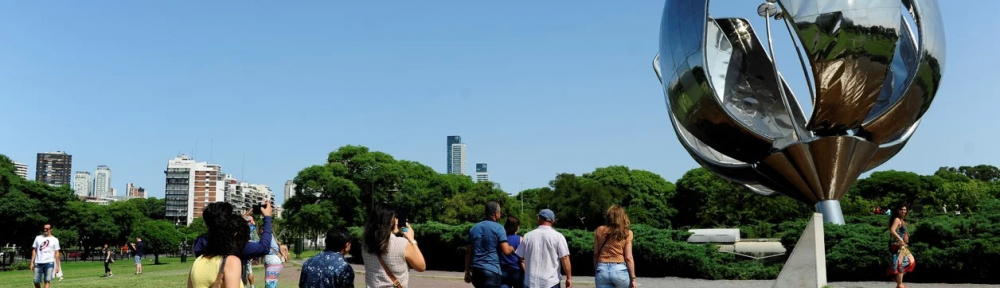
[(444, 279)]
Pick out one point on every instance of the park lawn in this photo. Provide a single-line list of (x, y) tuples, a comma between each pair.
[(170, 273)]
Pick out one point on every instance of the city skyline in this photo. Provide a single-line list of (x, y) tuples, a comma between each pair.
[(568, 88)]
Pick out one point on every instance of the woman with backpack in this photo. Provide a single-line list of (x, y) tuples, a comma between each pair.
[(613, 262)]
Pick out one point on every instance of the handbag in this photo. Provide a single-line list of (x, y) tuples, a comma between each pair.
[(219, 279), (395, 282)]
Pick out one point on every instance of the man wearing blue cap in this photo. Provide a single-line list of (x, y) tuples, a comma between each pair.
[(543, 249)]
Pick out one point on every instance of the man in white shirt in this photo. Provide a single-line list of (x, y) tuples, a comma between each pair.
[(543, 249), (45, 257)]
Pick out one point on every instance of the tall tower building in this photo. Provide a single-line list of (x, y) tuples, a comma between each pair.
[(190, 187), (82, 183), (458, 159), (289, 190), (54, 168), (102, 182), (21, 169), (452, 140), (481, 173)]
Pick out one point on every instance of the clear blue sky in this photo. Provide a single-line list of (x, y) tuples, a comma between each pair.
[(534, 88)]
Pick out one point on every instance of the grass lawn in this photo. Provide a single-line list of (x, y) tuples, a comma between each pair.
[(170, 273)]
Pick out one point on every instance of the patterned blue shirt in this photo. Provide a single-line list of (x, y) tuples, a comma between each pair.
[(327, 270)]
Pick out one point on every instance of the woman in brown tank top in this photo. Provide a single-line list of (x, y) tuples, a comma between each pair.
[(613, 262)]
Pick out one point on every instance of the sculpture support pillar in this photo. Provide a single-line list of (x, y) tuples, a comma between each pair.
[(831, 211)]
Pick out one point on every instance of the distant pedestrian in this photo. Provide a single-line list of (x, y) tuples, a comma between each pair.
[(512, 266), (106, 252), (329, 269), (543, 250), (486, 241), (386, 255), (45, 257), (138, 249), (614, 266), (901, 260)]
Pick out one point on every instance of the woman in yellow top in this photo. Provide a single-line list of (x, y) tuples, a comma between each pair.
[(218, 266), (613, 262)]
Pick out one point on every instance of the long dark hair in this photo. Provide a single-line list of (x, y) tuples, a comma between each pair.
[(227, 235), (894, 213), (378, 228)]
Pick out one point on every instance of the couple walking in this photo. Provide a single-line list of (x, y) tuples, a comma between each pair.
[(498, 257)]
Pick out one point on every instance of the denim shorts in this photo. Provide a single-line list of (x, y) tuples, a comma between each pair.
[(44, 270), (612, 275), (138, 260)]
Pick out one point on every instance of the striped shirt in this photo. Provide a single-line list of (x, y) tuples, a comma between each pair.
[(613, 251)]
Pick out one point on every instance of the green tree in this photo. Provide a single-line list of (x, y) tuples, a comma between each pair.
[(126, 215), (706, 200), (469, 207), (152, 208), (646, 194), (160, 237), (986, 173)]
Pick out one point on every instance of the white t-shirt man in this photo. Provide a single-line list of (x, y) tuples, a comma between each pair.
[(541, 249), (45, 249)]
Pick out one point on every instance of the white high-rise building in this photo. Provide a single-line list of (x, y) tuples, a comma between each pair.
[(21, 169), (481, 173), (82, 183), (102, 182), (190, 186), (289, 190), (458, 159)]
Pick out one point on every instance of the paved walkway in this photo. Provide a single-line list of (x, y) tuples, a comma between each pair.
[(444, 279)]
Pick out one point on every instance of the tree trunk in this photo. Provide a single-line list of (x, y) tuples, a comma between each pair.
[(156, 259)]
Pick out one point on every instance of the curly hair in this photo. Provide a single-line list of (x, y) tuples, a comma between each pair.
[(227, 235)]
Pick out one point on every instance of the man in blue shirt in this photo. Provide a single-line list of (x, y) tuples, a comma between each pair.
[(252, 249), (486, 240), (329, 269)]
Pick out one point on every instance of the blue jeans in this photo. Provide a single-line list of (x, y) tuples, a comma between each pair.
[(44, 270), (511, 277), (482, 278), (612, 275)]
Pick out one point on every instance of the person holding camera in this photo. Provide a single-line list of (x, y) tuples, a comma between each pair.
[(251, 249)]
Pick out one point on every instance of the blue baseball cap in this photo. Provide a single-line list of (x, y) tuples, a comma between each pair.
[(547, 215)]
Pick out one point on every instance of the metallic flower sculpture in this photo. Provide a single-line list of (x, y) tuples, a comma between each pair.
[(876, 65)]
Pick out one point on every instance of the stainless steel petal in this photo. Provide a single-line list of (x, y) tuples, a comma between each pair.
[(743, 77), (688, 88), (920, 93), (889, 150), (901, 72), (713, 160), (850, 46), (822, 169)]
